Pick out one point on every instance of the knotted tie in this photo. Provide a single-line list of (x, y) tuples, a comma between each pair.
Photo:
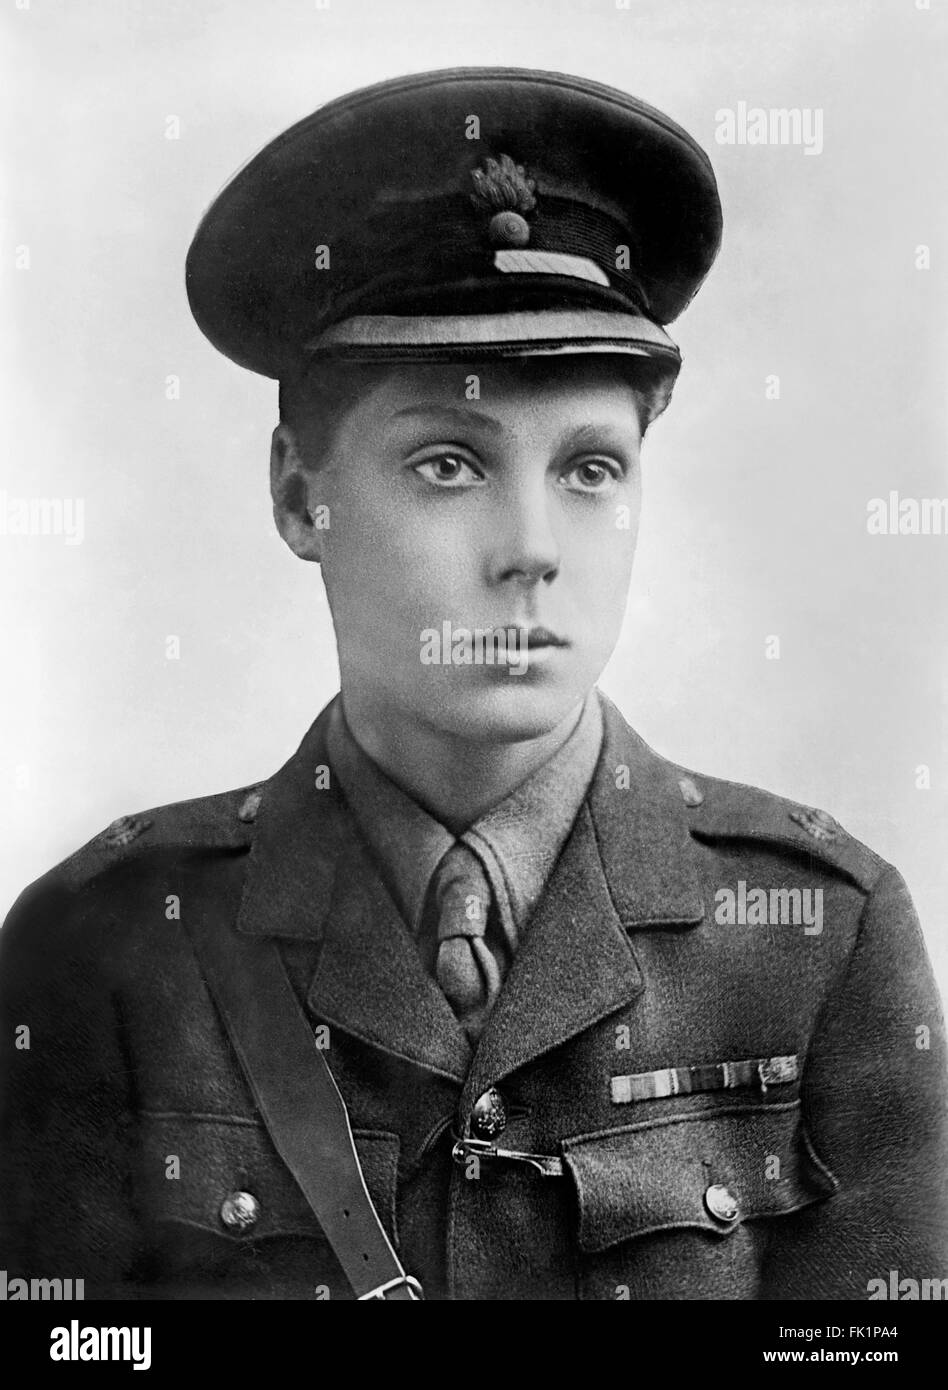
[(465, 967)]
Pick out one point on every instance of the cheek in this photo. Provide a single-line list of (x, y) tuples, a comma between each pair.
[(600, 570), (602, 547), (388, 568), (609, 587)]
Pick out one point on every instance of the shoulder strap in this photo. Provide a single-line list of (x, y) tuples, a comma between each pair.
[(299, 1101)]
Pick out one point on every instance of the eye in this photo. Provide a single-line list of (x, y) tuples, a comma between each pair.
[(592, 476), (449, 471)]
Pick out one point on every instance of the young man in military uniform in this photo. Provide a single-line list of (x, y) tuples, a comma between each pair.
[(447, 1004)]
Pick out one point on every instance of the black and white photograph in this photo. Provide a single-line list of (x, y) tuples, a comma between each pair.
[(538, 893)]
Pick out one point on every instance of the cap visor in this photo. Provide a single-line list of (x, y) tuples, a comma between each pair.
[(535, 333)]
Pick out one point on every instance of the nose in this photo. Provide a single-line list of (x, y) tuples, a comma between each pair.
[(525, 547)]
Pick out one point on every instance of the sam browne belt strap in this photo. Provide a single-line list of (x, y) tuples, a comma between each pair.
[(300, 1102)]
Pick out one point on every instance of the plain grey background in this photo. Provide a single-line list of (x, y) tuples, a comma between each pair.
[(123, 118)]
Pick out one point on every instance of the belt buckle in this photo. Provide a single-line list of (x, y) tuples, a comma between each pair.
[(413, 1286)]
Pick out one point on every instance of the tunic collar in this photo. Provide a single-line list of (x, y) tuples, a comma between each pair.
[(518, 840)]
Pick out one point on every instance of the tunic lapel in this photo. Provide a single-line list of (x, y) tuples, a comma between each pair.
[(370, 979), (311, 878), (627, 865), (575, 965)]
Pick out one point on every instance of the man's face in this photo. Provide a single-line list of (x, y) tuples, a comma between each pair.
[(516, 511)]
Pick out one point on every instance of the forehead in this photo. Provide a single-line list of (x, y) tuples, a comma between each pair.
[(584, 384)]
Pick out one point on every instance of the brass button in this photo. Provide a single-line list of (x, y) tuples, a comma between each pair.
[(489, 1115), (721, 1203), (239, 1211)]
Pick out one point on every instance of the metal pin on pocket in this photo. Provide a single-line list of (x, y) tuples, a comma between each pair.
[(546, 1164)]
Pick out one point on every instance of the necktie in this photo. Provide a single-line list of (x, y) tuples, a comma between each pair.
[(465, 967)]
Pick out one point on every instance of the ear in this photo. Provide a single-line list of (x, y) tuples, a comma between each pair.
[(290, 487)]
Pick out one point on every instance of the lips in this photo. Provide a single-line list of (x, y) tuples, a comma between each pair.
[(542, 637), (521, 636)]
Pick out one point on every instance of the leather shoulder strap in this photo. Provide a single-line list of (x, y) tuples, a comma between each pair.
[(299, 1101)]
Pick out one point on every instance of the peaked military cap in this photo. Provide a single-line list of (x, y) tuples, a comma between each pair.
[(468, 213)]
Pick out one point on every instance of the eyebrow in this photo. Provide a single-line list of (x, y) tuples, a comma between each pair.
[(589, 430), (594, 432), (452, 412)]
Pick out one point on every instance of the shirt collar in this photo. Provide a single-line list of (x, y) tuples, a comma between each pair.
[(520, 838)]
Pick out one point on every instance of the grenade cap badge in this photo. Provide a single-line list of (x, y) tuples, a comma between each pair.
[(503, 189)]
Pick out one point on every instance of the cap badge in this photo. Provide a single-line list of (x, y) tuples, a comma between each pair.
[(502, 188)]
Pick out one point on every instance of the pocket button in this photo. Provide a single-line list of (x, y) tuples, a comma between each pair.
[(722, 1204), (239, 1211)]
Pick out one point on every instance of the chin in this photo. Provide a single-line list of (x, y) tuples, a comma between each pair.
[(512, 710)]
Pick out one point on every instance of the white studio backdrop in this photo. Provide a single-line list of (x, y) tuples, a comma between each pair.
[(814, 382)]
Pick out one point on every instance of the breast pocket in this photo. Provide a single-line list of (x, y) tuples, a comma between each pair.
[(224, 1218), (681, 1207)]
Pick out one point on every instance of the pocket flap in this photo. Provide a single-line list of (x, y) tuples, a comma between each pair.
[(711, 1170), (220, 1157)]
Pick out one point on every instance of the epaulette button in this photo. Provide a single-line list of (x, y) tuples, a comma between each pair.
[(691, 793), (247, 812)]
